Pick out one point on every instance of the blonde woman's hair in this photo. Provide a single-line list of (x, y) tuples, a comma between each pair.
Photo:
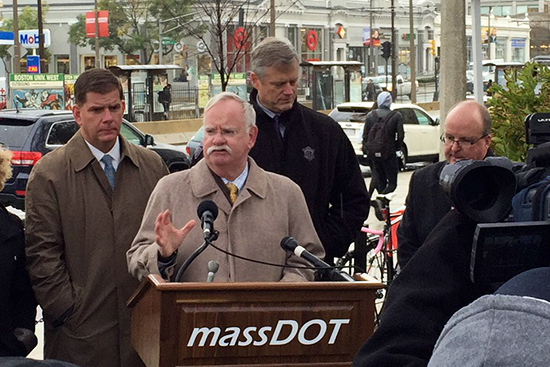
[(5, 168)]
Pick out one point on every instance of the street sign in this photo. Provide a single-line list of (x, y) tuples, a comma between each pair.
[(179, 47), (201, 47), (168, 41)]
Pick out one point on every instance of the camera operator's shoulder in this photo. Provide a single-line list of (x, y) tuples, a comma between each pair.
[(430, 172)]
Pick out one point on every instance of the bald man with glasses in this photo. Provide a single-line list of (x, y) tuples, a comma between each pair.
[(467, 136), (435, 283)]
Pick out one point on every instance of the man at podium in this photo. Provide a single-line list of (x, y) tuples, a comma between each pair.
[(256, 210)]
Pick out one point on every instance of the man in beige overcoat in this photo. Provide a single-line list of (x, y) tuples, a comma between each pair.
[(265, 208), (82, 211)]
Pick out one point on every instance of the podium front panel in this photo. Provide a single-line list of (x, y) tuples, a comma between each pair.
[(256, 324)]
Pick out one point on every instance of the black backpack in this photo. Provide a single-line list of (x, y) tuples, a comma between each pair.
[(377, 138)]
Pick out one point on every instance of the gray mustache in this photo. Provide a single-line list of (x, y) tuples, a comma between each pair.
[(214, 148)]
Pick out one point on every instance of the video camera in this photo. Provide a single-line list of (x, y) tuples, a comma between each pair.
[(511, 204)]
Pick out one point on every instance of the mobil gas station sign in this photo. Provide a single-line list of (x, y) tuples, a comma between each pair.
[(31, 39)]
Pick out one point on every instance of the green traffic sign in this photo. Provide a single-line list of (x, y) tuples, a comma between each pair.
[(168, 41)]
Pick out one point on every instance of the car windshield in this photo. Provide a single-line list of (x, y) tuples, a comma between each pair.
[(15, 132)]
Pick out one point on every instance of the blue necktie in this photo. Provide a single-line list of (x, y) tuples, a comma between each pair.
[(109, 169), (279, 126)]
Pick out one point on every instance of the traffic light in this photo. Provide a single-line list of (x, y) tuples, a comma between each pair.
[(386, 50), (432, 47)]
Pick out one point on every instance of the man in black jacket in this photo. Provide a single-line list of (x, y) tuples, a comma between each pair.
[(435, 283), (385, 167), (306, 146), (466, 136)]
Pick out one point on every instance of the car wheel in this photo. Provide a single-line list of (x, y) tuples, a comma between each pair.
[(403, 159)]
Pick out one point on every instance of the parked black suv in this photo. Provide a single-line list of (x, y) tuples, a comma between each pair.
[(32, 133)]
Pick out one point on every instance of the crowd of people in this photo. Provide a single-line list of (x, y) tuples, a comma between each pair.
[(102, 214)]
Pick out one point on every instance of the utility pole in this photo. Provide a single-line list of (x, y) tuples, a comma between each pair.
[(41, 38), (453, 56), (371, 46), (16, 46), (489, 34), (412, 54), (393, 52), (273, 16), (160, 41), (97, 59)]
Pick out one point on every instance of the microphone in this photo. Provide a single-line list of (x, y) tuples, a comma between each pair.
[(213, 267), (207, 212), (290, 244)]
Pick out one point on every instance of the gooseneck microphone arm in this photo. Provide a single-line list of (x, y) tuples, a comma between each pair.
[(207, 212), (290, 244)]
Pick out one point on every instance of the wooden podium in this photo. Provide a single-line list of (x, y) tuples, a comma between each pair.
[(251, 324)]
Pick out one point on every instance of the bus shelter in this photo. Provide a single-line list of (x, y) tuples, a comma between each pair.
[(141, 84), (326, 90)]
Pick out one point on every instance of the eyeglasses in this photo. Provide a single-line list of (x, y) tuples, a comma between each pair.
[(462, 142)]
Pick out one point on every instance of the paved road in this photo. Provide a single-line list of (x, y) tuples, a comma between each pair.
[(398, 201)]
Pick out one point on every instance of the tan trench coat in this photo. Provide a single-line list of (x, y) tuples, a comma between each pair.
[(269, 208), (78, 231)]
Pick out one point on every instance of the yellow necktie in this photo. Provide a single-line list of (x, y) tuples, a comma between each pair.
[(233, 190)]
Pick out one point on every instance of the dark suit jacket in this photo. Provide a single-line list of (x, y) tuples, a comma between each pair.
[(426, 204)]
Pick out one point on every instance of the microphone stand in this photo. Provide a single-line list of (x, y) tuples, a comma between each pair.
[(332, 275), (207, 241)]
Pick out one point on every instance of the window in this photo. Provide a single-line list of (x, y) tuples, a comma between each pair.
[(409, 116), (61, 133), (62, 65), (110, 61), (88, 62), (131, 60), (292, 35), (305, 52), (238, 53), (130, 135), (422, 118)]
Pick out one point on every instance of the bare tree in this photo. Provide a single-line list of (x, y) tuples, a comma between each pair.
[(230, 29), (134, 26)]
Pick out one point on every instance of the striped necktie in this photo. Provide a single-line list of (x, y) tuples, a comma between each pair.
[(233, 190), (109, 169)]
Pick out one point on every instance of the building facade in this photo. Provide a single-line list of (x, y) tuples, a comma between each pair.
[(326, 30)]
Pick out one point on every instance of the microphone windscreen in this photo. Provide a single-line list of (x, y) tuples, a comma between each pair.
[(213, 266), (289, 244), (207, 205)]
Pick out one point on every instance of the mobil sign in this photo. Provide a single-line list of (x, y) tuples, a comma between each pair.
[(30, 38)]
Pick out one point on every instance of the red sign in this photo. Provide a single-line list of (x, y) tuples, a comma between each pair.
[(103, 23), (311, 40), (240, 37)]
